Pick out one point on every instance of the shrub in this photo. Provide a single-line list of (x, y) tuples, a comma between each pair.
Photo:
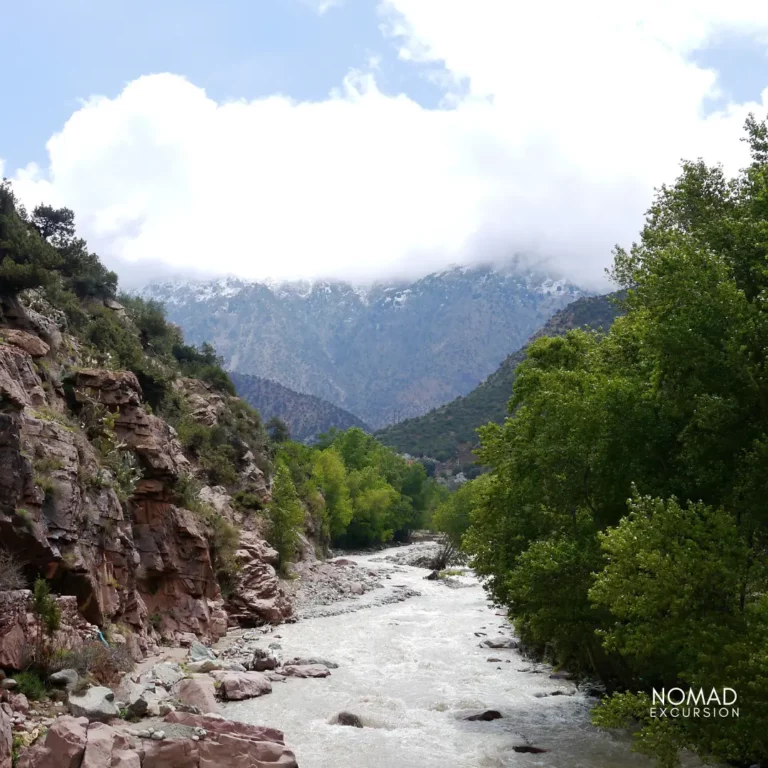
[(30, 684), (105, 664), (11, 571)]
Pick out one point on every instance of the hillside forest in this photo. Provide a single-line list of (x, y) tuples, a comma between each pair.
[(623, 520)]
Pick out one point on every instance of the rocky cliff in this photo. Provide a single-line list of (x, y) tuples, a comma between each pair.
[(100, 496)]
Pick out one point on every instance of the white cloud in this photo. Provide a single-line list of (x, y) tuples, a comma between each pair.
[(561, 123)]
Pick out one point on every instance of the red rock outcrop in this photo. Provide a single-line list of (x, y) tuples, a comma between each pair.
[(74, 743), (143, 562), (259, 597), (19, 627)]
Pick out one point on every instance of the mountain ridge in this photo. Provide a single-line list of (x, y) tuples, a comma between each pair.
[(305, 415), (382, 352), (447, 433)]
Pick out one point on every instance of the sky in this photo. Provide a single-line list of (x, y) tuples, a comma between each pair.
[(369, 139)]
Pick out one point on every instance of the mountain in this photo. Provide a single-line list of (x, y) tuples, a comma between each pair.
[(448, 432), (305, 415), (386, 352)]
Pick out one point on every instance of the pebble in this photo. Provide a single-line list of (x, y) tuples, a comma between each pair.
[(158, 735)]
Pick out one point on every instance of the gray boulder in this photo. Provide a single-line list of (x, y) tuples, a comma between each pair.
[(311, 661), (167, 673), (499, 642), (145, 701), (206, 665), (200, 652), (97, 703), (64, 678)]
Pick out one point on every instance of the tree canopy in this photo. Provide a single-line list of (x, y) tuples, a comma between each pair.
[(624, 521)]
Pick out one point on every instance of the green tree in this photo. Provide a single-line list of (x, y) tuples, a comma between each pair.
[(26, 261), (286, 516), (330, 476), (671, 588)]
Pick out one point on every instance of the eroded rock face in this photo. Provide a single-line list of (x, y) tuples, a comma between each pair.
[(143, 563), (19, 628), (259, 597)]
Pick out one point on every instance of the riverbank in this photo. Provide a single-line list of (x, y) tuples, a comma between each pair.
[(426, 671)]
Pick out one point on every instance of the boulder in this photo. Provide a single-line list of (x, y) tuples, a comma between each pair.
[(64, 678), (226, 743), (143, 701), (6, 740), (309, 670), (304, 662), (31, 344), (19, 703), (206, 665), (347, 718), (235, 686), (167, 673), (198, 692), (263, 660), (499, 642), (107, 747), (488, 714), (64, 746), (200, 652), (97, 703)]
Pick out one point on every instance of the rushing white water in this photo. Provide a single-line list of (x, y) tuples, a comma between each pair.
[(411, 671)]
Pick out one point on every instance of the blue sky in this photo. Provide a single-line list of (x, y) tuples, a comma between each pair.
[(63, 52), (375, 138)]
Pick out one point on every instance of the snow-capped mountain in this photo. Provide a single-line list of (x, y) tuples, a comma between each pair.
[(384, 352)]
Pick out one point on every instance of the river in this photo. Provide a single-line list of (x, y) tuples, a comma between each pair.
[(411, 670)]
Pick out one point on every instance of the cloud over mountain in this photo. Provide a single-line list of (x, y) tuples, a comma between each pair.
[(555, 126)]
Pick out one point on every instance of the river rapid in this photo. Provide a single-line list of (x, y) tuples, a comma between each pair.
[(411, 671)]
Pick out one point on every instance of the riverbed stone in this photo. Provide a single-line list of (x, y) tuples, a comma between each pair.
[(97, 703), (347, 718), (198, 692), (499, 642), (487, 715), (309, 670), (200, 652), (235, 686), (311, 661)]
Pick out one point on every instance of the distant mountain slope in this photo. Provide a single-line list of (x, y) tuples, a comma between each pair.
[(448, 432), (384, 353), (305, 415)]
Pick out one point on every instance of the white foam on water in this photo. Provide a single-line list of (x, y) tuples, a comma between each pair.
[(411, 671)]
